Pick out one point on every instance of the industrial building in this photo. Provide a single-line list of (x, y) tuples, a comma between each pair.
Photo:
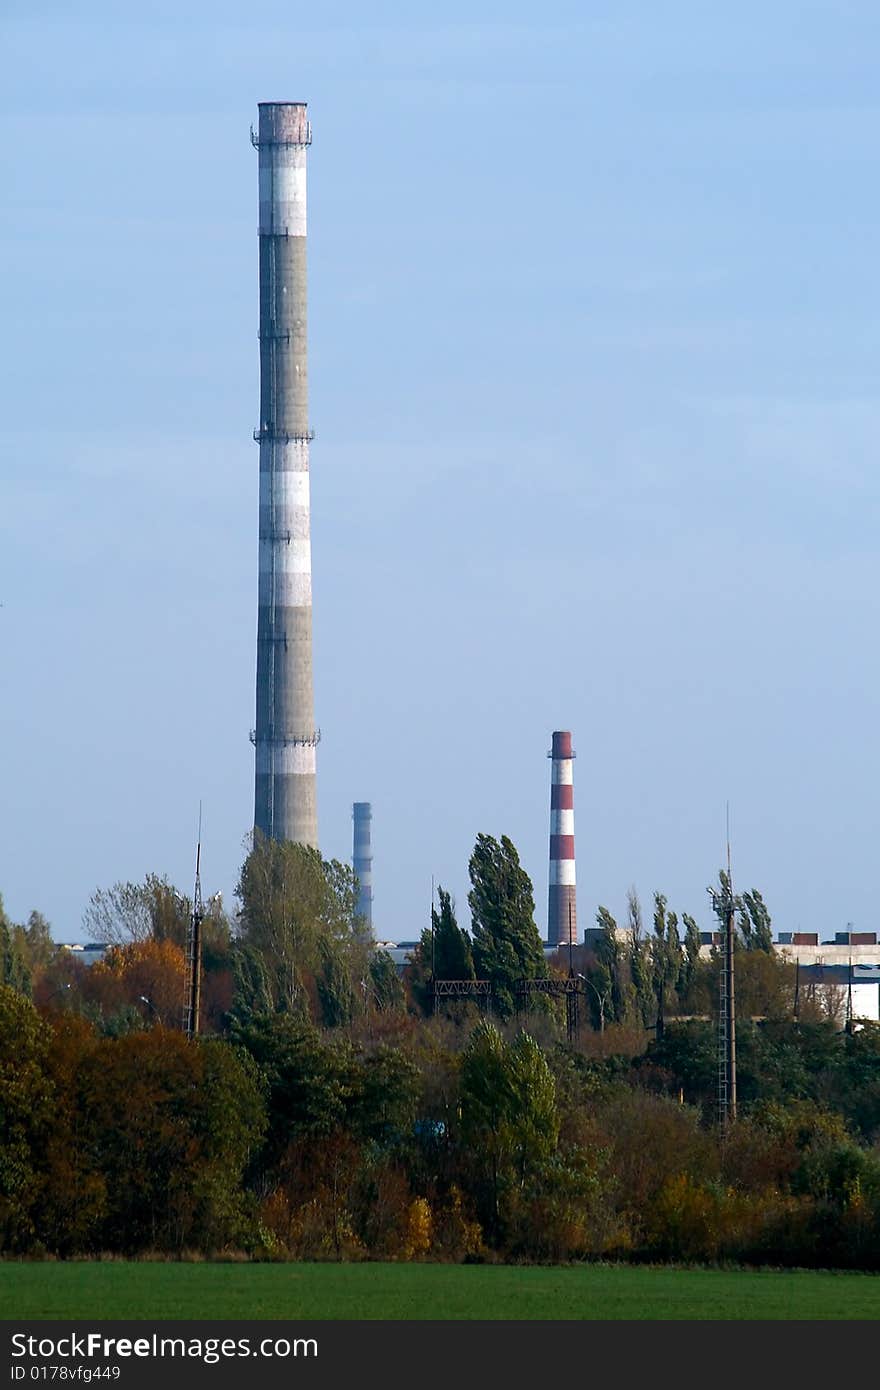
[(87, 952), (843, 972), (844, 991), (844, 948)]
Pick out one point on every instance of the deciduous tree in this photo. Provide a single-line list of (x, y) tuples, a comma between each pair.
[(506, 944), (25, 1116), (129, 912), (145, 975), (172, 1126), (692, 945), (754, 922), (666, 956), (508, 1110), (640, 962), (387, 989), (298, 912), (609, 956)]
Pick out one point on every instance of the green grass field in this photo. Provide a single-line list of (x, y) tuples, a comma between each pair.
[(399, 1291)]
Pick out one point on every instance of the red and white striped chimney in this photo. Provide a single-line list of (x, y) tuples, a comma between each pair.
[(562, 911)]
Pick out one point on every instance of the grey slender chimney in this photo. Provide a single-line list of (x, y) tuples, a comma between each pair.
[(362, 858), (285, 738)]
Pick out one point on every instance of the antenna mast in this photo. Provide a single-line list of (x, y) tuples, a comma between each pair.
[(193, 972), (727, 1008)]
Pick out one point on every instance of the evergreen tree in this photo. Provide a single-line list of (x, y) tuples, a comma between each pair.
[(443, 953), (506, 946), (453, 958), (417, 975)]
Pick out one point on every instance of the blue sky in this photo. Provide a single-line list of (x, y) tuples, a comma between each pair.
[(593, 341)]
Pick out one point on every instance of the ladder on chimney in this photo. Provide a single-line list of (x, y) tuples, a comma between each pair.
[(723, 1039)]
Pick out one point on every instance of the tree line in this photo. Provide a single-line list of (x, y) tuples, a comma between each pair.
[(328, 1111), (297, 944), (425, 1139)]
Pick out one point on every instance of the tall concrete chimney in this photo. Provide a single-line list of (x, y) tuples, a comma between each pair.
[(285, 738), (562, 910), (362, 858)]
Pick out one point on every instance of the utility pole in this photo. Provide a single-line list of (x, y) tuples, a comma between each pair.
[(730, 937), (572, 1011), (193, 973), (436, 1001)]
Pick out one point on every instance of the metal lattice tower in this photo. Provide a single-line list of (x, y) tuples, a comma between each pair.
[(285, 737), (727, 1015), (722, 1035), (553, 986)]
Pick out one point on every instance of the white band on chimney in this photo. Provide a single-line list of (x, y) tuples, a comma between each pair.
[(287, 759), (562, 822)]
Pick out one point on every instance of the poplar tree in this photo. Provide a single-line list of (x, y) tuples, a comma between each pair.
[(640, 961), (387, 986), (691, 960), (666, 954), (754, 922), (506, 946), (606, 977)]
